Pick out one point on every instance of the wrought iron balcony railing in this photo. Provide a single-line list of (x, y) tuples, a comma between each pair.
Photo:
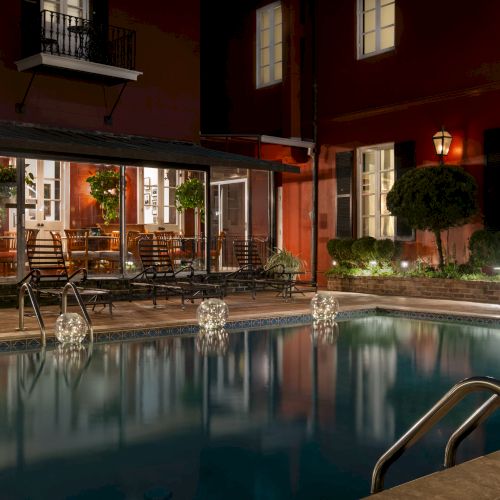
[(84, 39)]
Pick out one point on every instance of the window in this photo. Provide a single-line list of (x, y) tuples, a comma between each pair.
[(376, 26), (269, 45), (77, 8), (376, 175), (159, 196)]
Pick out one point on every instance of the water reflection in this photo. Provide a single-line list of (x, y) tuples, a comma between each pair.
[(174, 411)]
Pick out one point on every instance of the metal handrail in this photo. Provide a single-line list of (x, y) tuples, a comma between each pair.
[(468, 426), (64, 306), (26, 287), (425, 423)]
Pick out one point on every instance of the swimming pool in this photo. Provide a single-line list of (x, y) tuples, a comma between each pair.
[(261, 414)]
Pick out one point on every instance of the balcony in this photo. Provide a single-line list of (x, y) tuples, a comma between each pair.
[(74, 45)]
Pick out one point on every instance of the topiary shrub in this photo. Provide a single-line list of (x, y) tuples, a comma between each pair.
[(340, 250), (433, 199), (385, 250), (363, 249), (484, 248)]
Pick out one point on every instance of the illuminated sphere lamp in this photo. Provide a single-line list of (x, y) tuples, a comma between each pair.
[(324, 306), (70, 328), (212, 314)]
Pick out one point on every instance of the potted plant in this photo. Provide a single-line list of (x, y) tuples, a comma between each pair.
[(8, 180), (191, 194), (104, 188), (290, 262)]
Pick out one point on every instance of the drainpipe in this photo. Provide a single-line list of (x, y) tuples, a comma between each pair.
[(21, 224), (122, 212), (315, 155)]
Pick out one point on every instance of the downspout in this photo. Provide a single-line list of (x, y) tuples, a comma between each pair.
[(122, 222), (315, 153)]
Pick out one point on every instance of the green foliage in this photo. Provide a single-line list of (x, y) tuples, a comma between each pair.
[(8, 173), (190, 194), (363, 249), (340, 250), (433, 199), (484, 247), (287, 259), (105, 187), (385, 250), (343, 271)]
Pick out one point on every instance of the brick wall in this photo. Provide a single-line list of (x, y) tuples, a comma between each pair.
[(475, 291)]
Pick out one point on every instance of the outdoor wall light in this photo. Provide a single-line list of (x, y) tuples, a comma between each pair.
[(442, 141)]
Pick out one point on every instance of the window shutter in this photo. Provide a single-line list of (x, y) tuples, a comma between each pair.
[(492, 179), (404, 157), (31, 22), (99, 16), (343, 167)]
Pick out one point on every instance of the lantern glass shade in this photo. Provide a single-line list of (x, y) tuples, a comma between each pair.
[(442, 142)]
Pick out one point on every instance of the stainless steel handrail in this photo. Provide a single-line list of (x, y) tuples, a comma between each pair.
[(27, 288), (468, 426), (425, 423), (64, 306)]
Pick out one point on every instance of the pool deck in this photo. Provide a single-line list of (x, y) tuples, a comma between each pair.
[(140, 314), (479, 478)]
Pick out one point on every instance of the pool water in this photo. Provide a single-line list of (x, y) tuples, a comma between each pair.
[(257, 415)]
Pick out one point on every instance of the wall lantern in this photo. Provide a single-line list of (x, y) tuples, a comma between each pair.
[(442, 141)]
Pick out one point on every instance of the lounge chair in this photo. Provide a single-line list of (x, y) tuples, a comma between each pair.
[(49, 274), (252, 274), (158, 274)]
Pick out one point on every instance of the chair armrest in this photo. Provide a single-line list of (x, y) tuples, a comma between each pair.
[(33, 275), (81, 271)]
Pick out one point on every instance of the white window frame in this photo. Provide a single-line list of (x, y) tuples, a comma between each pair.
[(360, 31), (272, 42), (63, 7), (359, 189)]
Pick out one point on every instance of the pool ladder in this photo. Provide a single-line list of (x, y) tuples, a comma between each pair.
[(436, 413), (26, 288)]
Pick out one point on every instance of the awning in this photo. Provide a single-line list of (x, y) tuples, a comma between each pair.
[(38, 141)]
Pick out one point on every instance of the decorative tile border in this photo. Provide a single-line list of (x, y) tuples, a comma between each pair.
[(255, 324)]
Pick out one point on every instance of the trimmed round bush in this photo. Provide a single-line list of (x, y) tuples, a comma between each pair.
[(340, 250), (364, 249), (484, 247), (384, 250)]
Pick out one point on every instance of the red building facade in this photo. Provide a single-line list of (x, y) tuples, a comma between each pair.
[(369, 82)]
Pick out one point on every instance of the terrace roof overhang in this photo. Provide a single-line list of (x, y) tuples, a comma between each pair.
[(89, 146)]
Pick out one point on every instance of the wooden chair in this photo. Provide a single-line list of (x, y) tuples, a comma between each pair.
[(8, 254), (215, 253), (77, 241)]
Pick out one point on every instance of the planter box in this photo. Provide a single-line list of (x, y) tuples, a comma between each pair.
[(430, 288)]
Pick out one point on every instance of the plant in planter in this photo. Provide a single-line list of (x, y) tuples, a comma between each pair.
[(190, 194), (8, 180), (105, 187), (434, 199), (291, 263)]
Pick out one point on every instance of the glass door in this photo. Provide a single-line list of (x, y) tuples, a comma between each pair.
[(44, 199), (229, 214)]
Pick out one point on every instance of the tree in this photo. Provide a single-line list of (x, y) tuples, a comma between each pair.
[(434, 198)]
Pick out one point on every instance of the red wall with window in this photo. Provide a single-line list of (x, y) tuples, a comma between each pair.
[(165, 100)]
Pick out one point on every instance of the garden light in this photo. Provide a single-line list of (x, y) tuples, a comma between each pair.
[(404, 264)]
